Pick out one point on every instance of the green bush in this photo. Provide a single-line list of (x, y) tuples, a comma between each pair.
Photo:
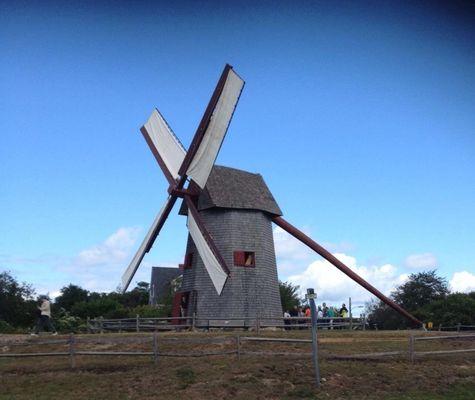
[(148, 311), (5, 327), (108, 308), (451, 310), (65, 322)]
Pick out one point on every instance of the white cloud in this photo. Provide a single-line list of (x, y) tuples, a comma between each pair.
[(420, 261), (115, 249), (293, 255), (96, 268), (289, 248), (100, 267), (462, 281), (301, 266), (334, 286)]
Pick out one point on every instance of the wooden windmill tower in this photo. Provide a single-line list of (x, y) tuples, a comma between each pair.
[(237, 208), (230, 268)]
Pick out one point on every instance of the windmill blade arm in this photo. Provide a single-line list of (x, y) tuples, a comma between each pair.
[(165, 146), (147, 243), (209, 253), (213, 127), (342, 267)]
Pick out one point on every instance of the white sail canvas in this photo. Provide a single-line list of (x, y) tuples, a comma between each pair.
[(166, 143), (216, 273), (139, 255), (206, 154)]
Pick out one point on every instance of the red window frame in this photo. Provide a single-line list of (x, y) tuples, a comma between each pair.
[(245, 259)]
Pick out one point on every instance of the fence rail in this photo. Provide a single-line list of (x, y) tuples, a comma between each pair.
[(413, 339), (236, 342), (458, 328), (144, 324)]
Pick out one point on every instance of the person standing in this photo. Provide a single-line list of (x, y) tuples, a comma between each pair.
[(44, 320), (343, 311), (325, 310), (286, 320)]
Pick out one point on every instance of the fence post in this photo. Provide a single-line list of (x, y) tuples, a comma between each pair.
[(440, 327), (155, 348), (72, 357), (193, 322), (351, 314), (458, 327), (137, 323), (238, 347), (101, 319), (364, 322), (258, 325), (411, 348), (311, 295)]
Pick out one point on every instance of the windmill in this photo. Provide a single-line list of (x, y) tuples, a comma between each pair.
[(229, 266)]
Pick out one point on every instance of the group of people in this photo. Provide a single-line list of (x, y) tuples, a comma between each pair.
[(323, 311)]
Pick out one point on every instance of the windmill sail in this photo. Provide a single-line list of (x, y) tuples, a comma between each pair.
[(147, 242), (216, 273), (200, 167), (165, 146), (176, 163)]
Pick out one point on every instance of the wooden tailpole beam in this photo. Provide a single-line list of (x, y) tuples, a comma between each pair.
[(342, 267)]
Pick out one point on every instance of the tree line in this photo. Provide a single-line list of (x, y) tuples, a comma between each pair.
[(426, 295), (18, 305)]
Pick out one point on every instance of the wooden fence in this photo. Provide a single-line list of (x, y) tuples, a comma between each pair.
[(235, 347), (143, 324), (413, 339), (457, 328)]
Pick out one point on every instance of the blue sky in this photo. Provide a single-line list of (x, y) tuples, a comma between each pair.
[(360, 117)]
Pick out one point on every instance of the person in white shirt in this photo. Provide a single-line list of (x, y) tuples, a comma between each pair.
[(320, 312), (44, 320), (286, 321)]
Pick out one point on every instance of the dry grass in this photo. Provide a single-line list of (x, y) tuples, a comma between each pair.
[(252, 377)]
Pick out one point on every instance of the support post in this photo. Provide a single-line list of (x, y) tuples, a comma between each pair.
[(72, 356), (342, 267), (155, 348), (137, 323), (311, 297), (411, 348)]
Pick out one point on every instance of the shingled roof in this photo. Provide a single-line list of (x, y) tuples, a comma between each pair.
[(233, 188)]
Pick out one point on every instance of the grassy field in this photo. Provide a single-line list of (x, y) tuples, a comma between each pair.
[(262, 376)]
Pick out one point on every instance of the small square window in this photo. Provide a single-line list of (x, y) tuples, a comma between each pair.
[(249, 259), (245, 259)]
